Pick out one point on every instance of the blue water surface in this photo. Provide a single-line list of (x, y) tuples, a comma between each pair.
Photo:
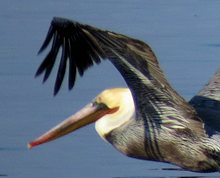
[(185, 36)]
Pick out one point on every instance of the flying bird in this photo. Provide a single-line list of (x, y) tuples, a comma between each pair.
[(148, 120)]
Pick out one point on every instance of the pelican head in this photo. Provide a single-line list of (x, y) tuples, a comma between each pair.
[(110, 109)]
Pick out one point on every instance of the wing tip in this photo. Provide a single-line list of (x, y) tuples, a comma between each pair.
[(61, 30)]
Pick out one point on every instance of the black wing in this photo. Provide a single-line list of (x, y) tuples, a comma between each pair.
[(207, 102), (84, 45), (79, 50)]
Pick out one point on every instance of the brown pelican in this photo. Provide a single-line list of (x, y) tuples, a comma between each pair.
[(150, 120)]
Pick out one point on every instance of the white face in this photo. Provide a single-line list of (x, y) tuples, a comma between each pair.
[(111, 109), (118, 97)]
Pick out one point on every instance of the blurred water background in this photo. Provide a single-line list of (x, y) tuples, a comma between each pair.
[(185, 36)]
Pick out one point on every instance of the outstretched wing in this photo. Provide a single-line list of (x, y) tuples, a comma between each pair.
[(84, 45), (207, 102)]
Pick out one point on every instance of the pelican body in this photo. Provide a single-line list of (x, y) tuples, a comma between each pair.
[(149, 119)]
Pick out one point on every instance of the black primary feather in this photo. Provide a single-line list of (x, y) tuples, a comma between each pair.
[(77, 47)]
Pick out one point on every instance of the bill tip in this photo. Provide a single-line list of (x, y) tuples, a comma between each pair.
[(30, 146)]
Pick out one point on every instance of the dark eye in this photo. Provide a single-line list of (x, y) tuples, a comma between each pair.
[(99, 105)]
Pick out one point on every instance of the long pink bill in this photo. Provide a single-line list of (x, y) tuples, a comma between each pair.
[(89, 114)]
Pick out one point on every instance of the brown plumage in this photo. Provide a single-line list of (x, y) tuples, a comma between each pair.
[(161, 127)]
